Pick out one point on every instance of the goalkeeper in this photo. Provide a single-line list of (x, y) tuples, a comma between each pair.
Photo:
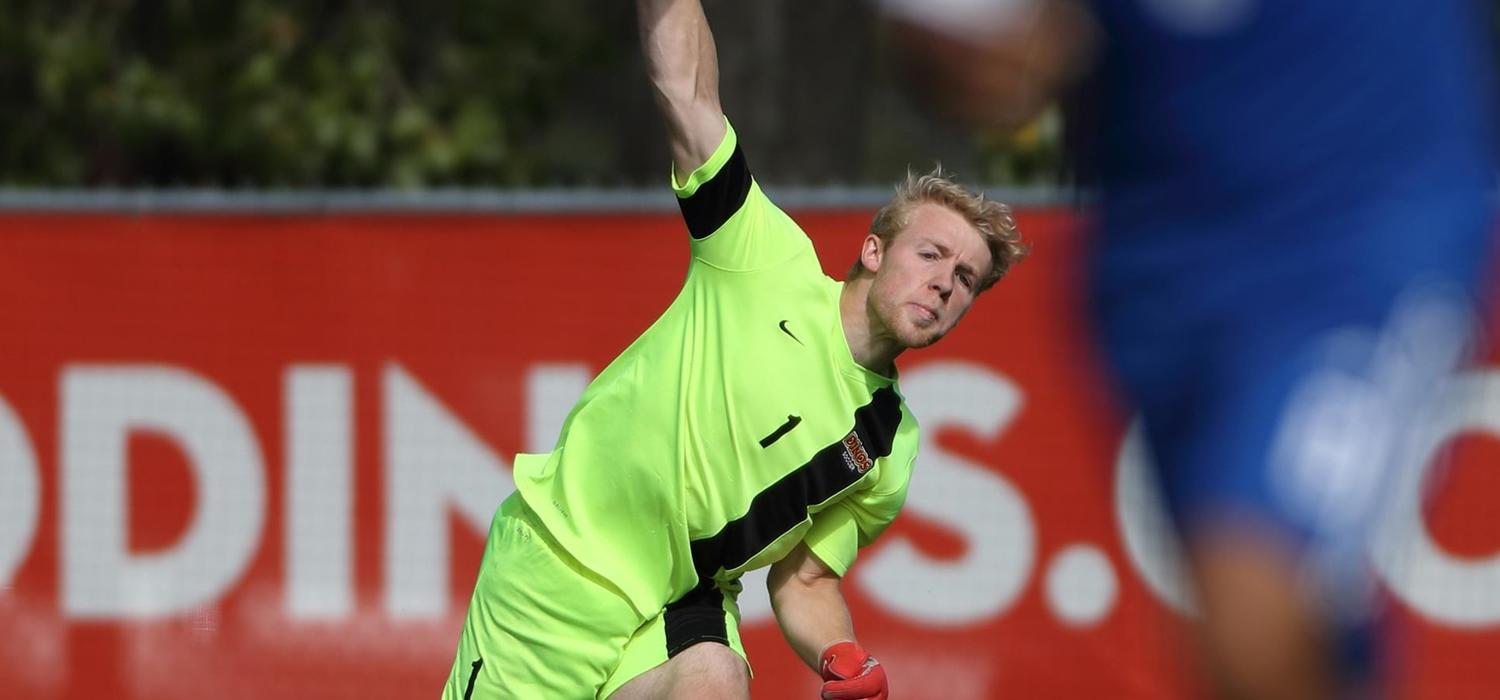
[(757, 422)]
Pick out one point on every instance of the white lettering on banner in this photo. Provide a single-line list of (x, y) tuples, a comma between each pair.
[(101, 406), (434, 463), (20, 493), (1080, 585), (1141, 517), (981, 505), (755, 599), (551, 391), (436, 467), (320, 491), (1452, 590)]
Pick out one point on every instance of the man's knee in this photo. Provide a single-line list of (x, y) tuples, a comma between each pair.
[(706, 669), (714, 667)]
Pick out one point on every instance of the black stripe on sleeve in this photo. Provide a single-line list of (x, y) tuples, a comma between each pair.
[(783, 505), (719, 198)]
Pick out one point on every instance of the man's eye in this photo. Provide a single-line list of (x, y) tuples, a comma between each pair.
[(928, 255)]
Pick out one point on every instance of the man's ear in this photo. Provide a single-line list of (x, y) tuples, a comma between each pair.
[(871, 251)]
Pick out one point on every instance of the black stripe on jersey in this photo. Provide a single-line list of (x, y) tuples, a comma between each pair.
[(783, 505), (696, 617), (719, 198)]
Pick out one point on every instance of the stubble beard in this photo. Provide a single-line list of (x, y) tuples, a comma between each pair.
[(908, 334), (923, 338)]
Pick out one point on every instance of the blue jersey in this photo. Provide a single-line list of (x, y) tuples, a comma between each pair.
[(1249, 151), (1232, 112)]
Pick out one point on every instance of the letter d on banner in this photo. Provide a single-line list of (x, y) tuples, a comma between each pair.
[(101, 405), (20, 493)]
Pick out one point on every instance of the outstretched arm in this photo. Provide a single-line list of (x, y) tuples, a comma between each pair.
[(808, 603), (684, 70), (815, 621)]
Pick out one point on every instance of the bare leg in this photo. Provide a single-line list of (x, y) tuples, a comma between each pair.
[(1263, 637), (705, 670)]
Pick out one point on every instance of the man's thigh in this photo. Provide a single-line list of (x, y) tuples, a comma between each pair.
[(707, 669)]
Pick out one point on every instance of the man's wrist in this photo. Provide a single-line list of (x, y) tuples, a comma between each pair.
[(843, 640)]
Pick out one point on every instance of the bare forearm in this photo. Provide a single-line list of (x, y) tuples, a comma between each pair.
[(812, 614), (683, 66)]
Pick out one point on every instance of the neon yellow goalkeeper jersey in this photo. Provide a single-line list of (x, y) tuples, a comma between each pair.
[(736, 426)]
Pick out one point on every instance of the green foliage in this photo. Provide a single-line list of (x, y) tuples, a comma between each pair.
[(288, 93), (393, 93)]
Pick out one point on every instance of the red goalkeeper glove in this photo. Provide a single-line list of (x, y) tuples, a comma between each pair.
[(850, 673)]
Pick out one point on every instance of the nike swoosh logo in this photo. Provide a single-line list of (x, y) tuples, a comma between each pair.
[(787, 331), (791, 422)]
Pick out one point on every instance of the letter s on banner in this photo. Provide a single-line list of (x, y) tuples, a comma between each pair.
[(973, 500)]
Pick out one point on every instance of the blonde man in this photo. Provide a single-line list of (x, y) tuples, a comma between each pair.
[(756, 423)]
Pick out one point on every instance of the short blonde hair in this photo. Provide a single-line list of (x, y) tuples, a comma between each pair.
[(992, 219)]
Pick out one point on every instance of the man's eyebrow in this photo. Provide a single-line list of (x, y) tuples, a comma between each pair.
[(946, 251)]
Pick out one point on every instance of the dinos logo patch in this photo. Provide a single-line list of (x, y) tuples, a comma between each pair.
[(855, 456)]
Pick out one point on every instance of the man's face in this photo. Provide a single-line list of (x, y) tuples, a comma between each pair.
[(927, 277)]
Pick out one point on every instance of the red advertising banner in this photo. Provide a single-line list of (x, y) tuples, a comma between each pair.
[(255, 455)]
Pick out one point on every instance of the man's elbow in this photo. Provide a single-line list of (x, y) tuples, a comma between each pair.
[(806, 574), (682, 96)]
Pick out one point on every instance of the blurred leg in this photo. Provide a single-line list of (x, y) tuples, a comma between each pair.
[(1262, 634)]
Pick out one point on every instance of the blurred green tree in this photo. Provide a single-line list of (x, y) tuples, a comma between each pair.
[(487, 93), (303, 93), (483, 93)]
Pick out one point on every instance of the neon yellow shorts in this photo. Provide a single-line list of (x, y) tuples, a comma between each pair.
[(540, 625)]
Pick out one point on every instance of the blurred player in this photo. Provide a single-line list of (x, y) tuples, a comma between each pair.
[(757, 422), (1295, 207)]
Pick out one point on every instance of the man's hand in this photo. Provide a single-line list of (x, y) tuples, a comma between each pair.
[(995, 64), (850, 673)]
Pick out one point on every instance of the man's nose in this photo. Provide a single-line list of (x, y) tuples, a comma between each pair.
[(943, 285)]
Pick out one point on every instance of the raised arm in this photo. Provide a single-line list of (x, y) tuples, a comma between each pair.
[(684, 70)]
